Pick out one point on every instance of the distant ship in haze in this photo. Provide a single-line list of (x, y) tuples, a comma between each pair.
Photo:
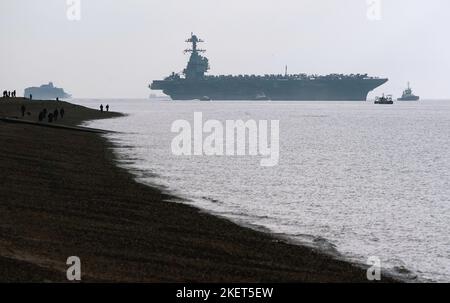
[(46, 92), (408, 95), (155, 97), (193, 84)]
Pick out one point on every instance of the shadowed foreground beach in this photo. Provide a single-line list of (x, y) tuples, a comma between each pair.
[(62, 195)]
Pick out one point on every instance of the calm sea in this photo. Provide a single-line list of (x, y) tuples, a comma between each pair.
[(354, 178)]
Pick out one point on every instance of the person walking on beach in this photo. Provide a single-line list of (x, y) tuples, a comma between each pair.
[(101, 107), (55, 114), (107, 107), (31, 97), (61, 112), (23, 109)]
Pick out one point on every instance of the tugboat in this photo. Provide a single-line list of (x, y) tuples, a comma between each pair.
[(384, 100), (408, 95)]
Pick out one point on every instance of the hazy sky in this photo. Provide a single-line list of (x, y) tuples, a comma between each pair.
[(119, 46)]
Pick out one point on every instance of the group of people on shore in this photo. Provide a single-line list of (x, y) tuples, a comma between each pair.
[(9, 94), (45, 115), (51, 116), (107, 107)]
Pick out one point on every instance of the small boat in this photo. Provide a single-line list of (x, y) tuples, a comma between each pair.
[(205, 98), (261, 97), (384, 100)]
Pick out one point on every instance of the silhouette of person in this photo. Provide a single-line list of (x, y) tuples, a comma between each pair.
[(41, 116), (14, 93), (9, 94), (107, 107), (57, 99), (31, 97), (23, 109), (50, 118), (44, 114), (101, 107), (55, 114), (61, 112)]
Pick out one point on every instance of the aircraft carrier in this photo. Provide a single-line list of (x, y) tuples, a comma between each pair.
[(194, 84)]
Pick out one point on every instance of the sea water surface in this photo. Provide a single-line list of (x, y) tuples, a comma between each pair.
[(353, 178)]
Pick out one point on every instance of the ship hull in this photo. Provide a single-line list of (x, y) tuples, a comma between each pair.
[(276, 90), (413, 98)]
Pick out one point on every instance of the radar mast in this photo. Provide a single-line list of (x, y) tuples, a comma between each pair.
[(197, 65)]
